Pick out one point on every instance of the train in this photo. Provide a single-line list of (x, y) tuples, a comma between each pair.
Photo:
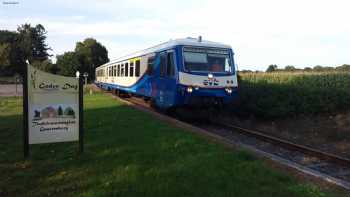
[(177, 73)]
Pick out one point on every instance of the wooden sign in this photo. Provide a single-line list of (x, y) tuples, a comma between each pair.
[(52, 108)]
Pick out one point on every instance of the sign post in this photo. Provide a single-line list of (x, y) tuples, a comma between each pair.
[(52, 108), (25, 112), (81, 112)]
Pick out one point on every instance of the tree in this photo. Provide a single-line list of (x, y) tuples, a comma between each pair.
[(319, 68), (5, 61), (307, 69), (290, 68), (33, 42), (344, 67), (46, 65), (68, 63), (16, 47), (60, 111), (12, 58), (245, 71), (91, 54), (271, 68)]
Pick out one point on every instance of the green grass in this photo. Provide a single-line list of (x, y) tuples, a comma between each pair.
[(129, 153), (283, 94)]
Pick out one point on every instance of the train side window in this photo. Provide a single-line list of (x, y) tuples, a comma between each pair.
[(170, 64), (150, 65), (118, 70), (131, 69), (137, 68), (114, 71), (122, 70), (126, 69), (162, 64)]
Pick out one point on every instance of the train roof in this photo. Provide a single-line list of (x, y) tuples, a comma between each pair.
[(171, 43)]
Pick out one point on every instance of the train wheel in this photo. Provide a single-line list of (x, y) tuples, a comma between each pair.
[(153, 103)]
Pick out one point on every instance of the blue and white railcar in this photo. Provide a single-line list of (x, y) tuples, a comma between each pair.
[(175, 73)]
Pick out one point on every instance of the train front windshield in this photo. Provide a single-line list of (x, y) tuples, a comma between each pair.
[(207, 60)]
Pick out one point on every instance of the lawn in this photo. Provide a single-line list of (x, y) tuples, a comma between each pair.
[(129, 153)]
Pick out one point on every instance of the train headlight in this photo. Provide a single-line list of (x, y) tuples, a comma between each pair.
[(189, 89), (228, 90)]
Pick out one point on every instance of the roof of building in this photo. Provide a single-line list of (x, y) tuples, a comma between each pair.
[(171, 43)]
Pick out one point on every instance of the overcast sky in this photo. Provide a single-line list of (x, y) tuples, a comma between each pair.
[(283, 32)]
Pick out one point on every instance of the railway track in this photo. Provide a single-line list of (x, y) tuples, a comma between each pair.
[(284, 143), (329, 167)]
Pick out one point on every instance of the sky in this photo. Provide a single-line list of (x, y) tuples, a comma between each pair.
[(283, 32)]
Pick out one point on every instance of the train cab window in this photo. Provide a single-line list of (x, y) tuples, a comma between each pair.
[(170, 64), (118, 70), (126, 69), (131, 69), (162, 64), (150, 65), (137, 68)]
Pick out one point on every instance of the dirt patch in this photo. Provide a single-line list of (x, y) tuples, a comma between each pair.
[(93, 88)]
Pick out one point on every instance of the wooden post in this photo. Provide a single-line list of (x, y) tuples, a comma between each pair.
[(25, 113), (81, 115)]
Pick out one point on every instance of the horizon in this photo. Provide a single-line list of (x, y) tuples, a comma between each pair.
[(298, 33)]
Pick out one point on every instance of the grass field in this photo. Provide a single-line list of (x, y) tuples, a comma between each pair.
[(283, 94), (128, 153)]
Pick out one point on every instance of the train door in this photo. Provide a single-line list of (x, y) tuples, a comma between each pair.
[(167, 81)]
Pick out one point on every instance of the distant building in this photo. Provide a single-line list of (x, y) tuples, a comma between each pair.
[(49, 112)]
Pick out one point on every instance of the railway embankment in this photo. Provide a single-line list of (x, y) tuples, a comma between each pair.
[(129, 153)]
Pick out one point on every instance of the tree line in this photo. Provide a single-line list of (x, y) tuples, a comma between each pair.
[(290, 68), (318, 68), (29, 43)]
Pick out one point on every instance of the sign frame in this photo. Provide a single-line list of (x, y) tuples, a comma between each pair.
[(26, 147)]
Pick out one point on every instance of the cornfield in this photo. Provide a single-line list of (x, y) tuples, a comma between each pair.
[(282, 94)]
